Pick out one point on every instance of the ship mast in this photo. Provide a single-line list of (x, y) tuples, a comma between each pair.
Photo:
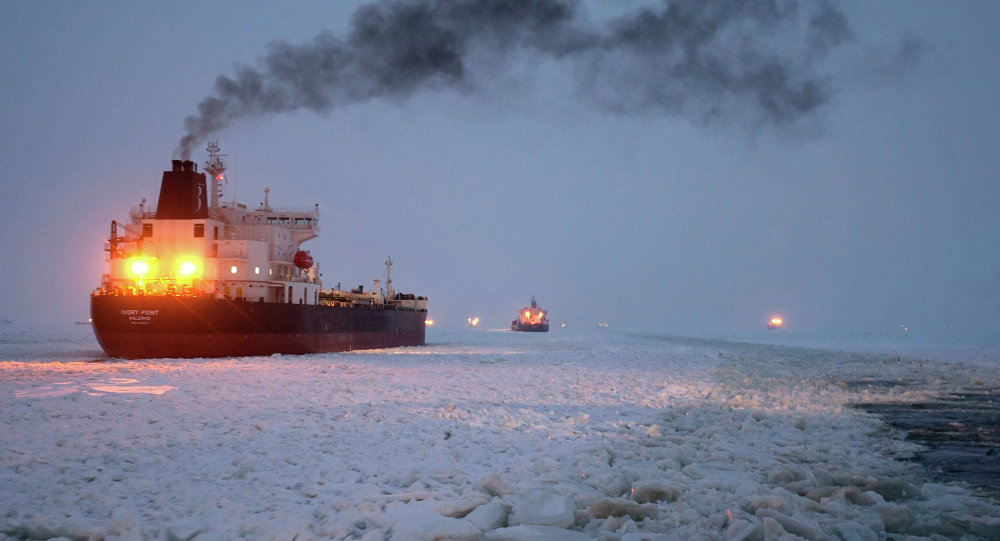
[(388, 280), (217, 168)]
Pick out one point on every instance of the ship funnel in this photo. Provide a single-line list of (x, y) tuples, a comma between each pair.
[(184, 166), (182, 193)]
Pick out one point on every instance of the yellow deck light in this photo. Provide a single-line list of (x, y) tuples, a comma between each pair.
[(188, 267)]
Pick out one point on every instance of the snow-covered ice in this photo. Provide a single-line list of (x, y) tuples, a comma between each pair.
[(478, 435)]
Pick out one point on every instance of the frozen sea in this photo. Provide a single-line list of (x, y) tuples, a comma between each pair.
[(488, 435)]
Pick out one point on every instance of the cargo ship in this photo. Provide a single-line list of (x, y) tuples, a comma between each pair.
[(196, 277), (531, 319)]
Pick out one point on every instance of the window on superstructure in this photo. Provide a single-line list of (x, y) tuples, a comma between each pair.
[(215, 234), (199, 231), (147, 230)]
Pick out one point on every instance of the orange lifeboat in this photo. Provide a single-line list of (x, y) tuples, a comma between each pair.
[(302, 259)]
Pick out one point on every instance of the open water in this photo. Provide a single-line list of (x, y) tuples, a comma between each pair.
[(956, 423)]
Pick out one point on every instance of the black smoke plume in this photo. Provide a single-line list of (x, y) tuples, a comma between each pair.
[(705, 60)]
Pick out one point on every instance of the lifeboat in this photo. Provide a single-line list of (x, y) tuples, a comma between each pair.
[(302, 259)]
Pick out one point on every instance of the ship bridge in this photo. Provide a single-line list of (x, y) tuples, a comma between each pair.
[(186, 244)]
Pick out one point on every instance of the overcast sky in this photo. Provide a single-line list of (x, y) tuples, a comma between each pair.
[(542, 165)]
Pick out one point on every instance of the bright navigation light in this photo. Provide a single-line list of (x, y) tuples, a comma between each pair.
[(187, 268), (139, 267)]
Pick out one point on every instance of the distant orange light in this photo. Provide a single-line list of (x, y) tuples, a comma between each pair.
[(527, 314), (428, 322), (776, 322)]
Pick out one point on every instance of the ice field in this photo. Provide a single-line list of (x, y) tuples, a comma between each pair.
[(478, 435)]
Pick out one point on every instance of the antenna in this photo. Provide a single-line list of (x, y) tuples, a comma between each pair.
[(217, 168)]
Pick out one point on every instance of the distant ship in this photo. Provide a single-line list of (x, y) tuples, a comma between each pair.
[(194, 277), (531, 319)]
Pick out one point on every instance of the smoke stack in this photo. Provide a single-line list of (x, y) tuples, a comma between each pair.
[(182, 193)]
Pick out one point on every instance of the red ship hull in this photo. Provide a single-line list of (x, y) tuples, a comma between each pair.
[(143, 327), (529, 327)]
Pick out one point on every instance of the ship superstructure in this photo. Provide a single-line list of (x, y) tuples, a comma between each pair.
[(531, 319), (197, 277)]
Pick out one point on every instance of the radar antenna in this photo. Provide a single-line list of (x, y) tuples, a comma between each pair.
[(217, 168)]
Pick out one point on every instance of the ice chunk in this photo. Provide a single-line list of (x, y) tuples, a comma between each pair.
[(628, 526), (871, 498), (852, 531), (414, 522), (988, 528), (821, 493), (489, 516), (772, 529), (785, 475), (894, 489), (648, 492), (534, 533), (493, 485), (459, 508), (897, 519), (831, 494), (742, 530), (649, 537), (793, 526), (618, 507), (543, 507)]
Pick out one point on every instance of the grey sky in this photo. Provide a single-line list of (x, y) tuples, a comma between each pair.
[(879, 208)]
